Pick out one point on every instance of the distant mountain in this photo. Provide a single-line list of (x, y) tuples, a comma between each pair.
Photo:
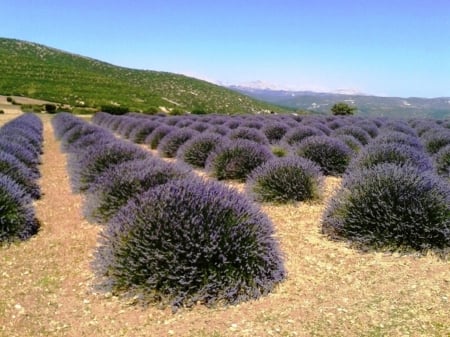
[(36, 71), (367, 105)]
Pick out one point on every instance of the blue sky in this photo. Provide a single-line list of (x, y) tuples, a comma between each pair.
[(392, 48)]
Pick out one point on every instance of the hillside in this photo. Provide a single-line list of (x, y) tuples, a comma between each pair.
[(36, 71), (367, 105)]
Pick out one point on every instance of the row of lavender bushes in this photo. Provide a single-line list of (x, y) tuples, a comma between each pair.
[(168, 235), (21, 141), (284, 158)]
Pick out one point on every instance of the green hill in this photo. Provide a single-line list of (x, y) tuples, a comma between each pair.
[(36, 71)]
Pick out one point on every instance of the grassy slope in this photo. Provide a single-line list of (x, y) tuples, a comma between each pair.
[(37, 71)]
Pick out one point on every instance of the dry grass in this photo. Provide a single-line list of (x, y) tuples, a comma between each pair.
[(331, 290)]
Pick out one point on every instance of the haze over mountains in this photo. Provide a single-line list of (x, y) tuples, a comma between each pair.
[(368, 105)]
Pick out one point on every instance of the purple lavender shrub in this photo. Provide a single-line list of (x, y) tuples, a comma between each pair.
[(170, 144), (399, 154), (299, 133), (331, 154), (157, 134), (190, 241), (197, 149), (17, 219), (284, 180), (275, 131), (219, 129), (199, 126), (27, 157), (100, 136), (399, 138), (391, 207), (63, 122), (86, 166), (434, 140), (25, 177), (351, 142), (237, 159), (355, 131), (442, 162), (117, 185), (247, 133), (141, 131), (399, 126)]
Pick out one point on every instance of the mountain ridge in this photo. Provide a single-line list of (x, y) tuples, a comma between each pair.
[(369, 105), (34, 70)]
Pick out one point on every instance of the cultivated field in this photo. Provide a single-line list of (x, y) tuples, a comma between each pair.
[(47, 287)]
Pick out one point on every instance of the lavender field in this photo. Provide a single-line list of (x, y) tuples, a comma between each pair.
[(215, 225)]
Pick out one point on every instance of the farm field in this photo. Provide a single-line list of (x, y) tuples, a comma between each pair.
[(47, 287)]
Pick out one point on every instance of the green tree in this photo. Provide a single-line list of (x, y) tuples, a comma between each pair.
[(342, 108)]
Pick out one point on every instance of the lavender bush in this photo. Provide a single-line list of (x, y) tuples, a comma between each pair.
[(157, 134), (190, 241), (285, 179), (248, 133), (391, 207), (197, 149), (297, 134), (170, 144), (399, 154), (17, 219), (237, 159), (86, 166), (117, 185), (331, 154), (25, 177)]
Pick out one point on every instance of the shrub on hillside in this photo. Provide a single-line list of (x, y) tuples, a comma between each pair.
[(170, 144), (117, 185), (399, 154), (331, 154), (391, 207), (115, 109), (285, 179), (197, 149), (237, 159), (86, 166), (188, 242), (17, 219)]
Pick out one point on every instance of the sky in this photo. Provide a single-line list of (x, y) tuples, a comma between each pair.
[(381, 47)]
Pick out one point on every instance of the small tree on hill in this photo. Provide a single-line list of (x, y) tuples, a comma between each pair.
[(342, 108)]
